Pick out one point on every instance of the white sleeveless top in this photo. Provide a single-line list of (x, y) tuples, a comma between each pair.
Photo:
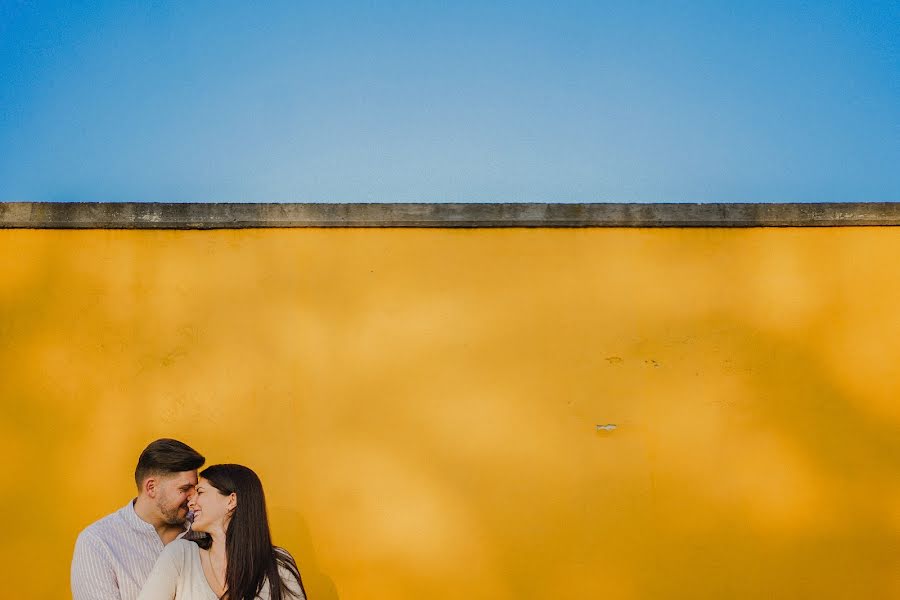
[(178, 575)]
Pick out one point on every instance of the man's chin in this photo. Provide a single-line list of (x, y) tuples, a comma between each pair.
[(179, 518)]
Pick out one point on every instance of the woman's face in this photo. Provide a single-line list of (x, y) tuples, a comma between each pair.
[(211, 509)]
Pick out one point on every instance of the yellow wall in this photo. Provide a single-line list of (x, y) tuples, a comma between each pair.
[(422, 404)]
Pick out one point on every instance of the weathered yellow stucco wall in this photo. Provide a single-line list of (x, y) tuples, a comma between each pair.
[(422, 404)]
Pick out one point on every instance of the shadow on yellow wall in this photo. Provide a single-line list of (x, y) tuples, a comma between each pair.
[(422, 405)]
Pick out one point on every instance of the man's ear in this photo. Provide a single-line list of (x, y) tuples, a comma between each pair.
[(150, 487)]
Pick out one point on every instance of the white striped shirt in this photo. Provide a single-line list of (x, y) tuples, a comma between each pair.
[(114, 556)]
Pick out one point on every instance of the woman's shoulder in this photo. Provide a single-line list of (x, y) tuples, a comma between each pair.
[(180, 550), (288, 571), (286, 562), (281, 553)]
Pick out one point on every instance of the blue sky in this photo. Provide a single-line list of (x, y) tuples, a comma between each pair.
[(451, 101)]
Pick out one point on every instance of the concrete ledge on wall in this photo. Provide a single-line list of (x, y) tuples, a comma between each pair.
[(138, 215)]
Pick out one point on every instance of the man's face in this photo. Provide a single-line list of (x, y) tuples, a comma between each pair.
[(173, 492)]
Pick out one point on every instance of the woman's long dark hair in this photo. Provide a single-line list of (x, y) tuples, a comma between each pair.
[(252, 559)]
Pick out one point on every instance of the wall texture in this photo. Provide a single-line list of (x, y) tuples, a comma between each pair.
[(422, 404)]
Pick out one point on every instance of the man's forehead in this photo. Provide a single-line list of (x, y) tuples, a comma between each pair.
[(182, 479)]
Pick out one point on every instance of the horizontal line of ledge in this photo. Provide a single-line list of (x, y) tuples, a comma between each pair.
[(138, 215)]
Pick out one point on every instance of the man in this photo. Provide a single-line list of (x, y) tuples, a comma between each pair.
[(114, 556)]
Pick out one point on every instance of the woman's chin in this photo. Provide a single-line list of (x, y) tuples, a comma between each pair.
[(201, 527)]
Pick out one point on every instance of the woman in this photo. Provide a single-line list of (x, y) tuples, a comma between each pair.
[(237, 560)]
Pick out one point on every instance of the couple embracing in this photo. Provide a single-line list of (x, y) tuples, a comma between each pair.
[(150, 550)]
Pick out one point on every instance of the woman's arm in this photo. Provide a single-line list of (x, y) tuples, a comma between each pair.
[(163, 580)]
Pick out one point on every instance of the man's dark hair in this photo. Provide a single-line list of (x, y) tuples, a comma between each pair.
[(166, 456)]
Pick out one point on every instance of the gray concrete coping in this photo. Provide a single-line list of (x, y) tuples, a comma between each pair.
[(137, 215)]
